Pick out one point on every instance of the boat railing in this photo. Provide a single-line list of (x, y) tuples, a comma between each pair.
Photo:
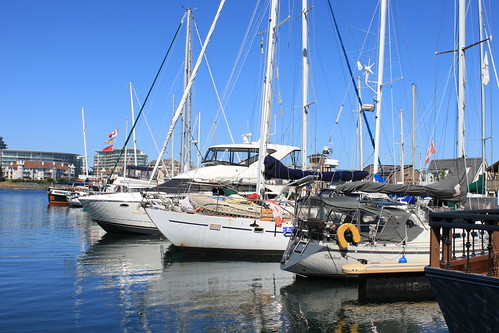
[(465, 240)]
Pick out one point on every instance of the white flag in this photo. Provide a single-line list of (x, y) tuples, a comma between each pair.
[(485, 70)]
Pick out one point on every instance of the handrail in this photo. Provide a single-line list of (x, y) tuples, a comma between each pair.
[(465, 240)]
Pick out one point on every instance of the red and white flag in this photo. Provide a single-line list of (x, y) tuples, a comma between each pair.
[(108, 148), (277, 212), (113, 134), (431, 151)]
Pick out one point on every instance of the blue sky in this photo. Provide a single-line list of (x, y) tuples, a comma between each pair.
[(60, 56)]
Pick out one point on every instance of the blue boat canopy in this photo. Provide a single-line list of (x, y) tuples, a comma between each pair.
[(275, 169)]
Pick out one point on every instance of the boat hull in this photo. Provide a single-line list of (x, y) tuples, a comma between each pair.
[(207, 233), (327, 259), (119, 213), (58, 197), (469, 302)]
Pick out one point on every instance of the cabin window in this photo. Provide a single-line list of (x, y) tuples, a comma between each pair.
[(292, 160), (231, 156)]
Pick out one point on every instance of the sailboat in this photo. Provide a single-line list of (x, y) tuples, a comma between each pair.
[(358, 228), (69, 196), (122, 211), (191, 228), (225, 165), (344, 231)]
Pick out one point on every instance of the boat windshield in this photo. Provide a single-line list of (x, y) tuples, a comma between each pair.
[(292, 160), (231, 156)]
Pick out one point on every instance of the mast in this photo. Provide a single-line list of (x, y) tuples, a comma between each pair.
[(186, 90), (173, 146), (304, 35), (361, 128), (413, 133), (266, 101), (381, 62), (133, 126), (125, 153), (186, 132), (85, 158), (402, 167), (482, 92), (198, 142), (461, 69)]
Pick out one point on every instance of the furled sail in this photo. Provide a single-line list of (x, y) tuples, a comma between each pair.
[(452, 188)]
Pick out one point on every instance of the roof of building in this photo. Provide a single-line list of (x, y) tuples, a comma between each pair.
[(38, 151), (494, 167)]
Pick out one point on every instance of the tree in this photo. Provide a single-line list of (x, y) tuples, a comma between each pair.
[(3, 146)]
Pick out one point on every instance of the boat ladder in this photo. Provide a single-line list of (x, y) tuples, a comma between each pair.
[(301, 245)]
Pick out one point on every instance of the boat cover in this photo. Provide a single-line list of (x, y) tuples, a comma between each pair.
[(393, 222), (275, 169), (452, 188)]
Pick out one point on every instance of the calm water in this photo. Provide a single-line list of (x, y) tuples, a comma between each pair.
[(60, 272)]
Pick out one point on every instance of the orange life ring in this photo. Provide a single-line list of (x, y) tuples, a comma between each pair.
[(340, 233)]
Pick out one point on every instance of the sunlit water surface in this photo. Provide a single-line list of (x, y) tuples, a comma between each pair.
[(60, 272)]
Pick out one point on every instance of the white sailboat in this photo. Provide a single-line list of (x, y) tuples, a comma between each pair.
[(189, 229), (231, 165), (121, 212), (348, 230), (342, 227), (71, 195)]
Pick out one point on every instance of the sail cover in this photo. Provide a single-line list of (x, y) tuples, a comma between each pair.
[(275, 169), (452, 188)]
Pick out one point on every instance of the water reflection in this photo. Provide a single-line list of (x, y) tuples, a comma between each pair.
[(318, 306), (21, 207), (334, 306), (62, 272), (224, 295), (157, 289), (136, 258)]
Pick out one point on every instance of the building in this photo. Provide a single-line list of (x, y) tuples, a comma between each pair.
[(16, 159), (31, 170), (493, 178), (393, 173), (105, 161), (169, 167)]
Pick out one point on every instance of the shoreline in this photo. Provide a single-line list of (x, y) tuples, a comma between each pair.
[(24, 186)]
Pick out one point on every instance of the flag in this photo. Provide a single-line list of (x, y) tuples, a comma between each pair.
[(431, 151), (485, 70), (113, 134), (108, 148), (277, 212)]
